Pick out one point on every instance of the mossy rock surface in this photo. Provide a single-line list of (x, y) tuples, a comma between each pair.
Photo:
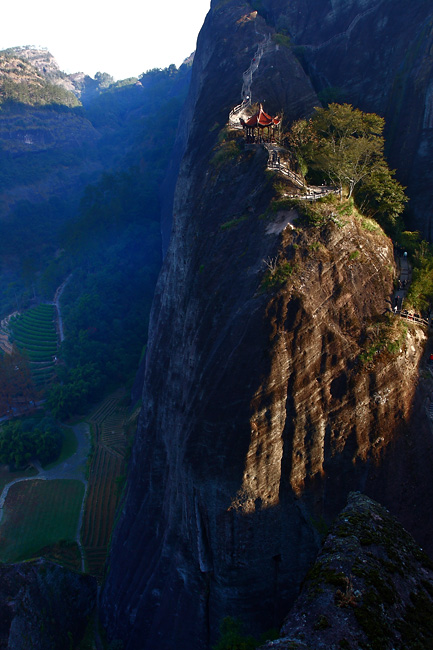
[(371, 588)]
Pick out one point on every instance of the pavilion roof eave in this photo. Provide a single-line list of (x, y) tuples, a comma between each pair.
[(262, 119)]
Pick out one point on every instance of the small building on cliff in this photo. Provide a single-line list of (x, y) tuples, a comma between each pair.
[(261, 127)]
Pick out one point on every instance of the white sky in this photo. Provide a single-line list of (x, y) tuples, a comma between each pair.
[(122, 37)]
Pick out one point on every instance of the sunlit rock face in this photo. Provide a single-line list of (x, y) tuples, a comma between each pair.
[(262, 407)]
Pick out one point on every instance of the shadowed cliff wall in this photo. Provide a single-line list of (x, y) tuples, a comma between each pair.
[(259, 415)]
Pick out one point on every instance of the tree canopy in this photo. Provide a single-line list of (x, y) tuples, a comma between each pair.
[(346, 146), (17, 390), (22, 441)]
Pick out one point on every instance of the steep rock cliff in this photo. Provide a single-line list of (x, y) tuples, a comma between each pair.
[(263, 402)]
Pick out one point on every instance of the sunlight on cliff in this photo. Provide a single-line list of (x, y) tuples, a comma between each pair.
[(262, 472)]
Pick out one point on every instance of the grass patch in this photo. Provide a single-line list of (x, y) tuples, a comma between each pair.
[(69, 447), (276, 277), (279, 205), (39, 514), (370, 225), (225, 152), (228, 147), (317, 213), (281, 39), (386, 335), (233, 222)]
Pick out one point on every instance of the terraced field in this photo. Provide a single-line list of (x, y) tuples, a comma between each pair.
[(35, 333), (109, 422), (102, 498)]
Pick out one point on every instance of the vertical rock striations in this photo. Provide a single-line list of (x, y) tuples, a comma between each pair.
[(264, 399)]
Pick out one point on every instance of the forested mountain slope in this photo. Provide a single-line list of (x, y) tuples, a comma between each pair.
[(59, 133)]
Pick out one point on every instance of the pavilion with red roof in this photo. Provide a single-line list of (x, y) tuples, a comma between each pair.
[(255, 126)]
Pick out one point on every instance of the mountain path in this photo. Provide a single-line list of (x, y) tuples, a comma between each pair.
[(56, 303)]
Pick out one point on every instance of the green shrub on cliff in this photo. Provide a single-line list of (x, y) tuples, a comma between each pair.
[(317, 213), (232, 638), (228, 147), (278, 271), (281, 39), (225, 152), (386, 335), (346, 146), (420, 293)]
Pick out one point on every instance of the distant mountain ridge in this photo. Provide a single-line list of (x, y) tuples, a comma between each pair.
[(47, 145), (23, 82), (47, 66), (37, 67)]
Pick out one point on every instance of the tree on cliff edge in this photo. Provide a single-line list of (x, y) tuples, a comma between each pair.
[(347, 146)]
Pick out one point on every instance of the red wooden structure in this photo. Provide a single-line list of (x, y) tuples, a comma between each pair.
[(261, 127)]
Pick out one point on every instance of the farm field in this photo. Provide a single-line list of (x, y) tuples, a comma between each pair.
[(41, 515), (110, 422), (34, 333), (38, 514)]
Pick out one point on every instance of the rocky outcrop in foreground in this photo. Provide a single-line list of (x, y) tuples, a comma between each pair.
[(43, 606), (370, 587)]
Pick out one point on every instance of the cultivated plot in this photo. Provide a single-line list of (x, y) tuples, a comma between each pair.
[(37, 514)]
